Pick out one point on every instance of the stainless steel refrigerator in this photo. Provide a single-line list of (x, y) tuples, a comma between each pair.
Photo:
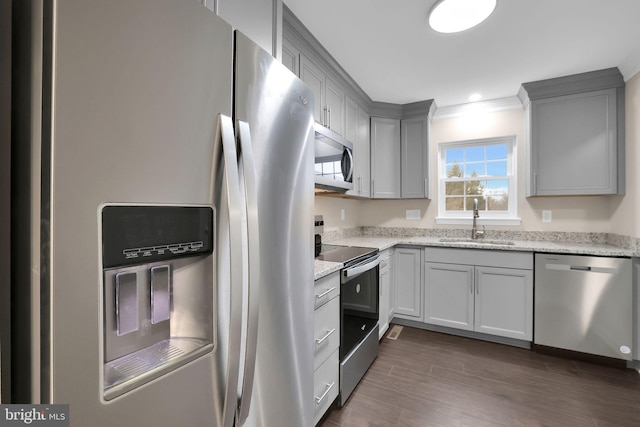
[(162, 202)]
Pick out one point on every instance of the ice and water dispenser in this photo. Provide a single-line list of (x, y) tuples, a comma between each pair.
[(158, 291)]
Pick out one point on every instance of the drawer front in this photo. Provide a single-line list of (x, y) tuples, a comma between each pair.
[(326, 329), (325, 386), (326, 289)]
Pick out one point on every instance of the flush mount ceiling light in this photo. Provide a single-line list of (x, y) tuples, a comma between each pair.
[(452, 16)]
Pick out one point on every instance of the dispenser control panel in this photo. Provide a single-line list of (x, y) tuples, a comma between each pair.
[(144, 234)]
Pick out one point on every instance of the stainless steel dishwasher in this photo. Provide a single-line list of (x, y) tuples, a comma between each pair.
[(584, 303)]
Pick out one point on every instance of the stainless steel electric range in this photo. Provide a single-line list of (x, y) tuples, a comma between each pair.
[(359, 311)]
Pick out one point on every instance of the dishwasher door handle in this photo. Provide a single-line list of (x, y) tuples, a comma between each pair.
[(580, 268)]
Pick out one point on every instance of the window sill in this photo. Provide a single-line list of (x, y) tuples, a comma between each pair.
[(513, 221)]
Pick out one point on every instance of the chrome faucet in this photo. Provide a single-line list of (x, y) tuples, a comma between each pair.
[(475, 233)]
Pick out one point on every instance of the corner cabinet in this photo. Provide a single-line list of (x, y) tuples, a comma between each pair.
[(414, 149), (576, 134), (385, 158), (483, 291), (407, 270), (330, 96)]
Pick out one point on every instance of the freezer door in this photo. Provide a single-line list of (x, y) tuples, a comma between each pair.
[(277, 107), (132, 100)]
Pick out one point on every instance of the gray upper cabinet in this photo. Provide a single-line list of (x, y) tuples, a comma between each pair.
[(330, 97), (414, 151), (385, 158), (290, 57), (254, 18), (357, 131), (576, 134)]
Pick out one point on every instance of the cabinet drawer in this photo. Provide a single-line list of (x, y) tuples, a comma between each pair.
[(325, 386), (326, 331), (483, 257), (326, 289)]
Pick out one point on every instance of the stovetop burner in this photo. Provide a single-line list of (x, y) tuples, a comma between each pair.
[(345, 254)]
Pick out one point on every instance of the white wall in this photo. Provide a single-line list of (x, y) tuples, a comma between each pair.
[(625, 211), (331, 209), (615, 214)]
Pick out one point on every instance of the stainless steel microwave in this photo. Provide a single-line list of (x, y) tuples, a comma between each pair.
[(333, 160)]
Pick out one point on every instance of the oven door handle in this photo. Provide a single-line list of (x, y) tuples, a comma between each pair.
[(358, 269)]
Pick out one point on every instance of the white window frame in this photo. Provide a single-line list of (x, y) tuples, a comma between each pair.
[(508, 217)]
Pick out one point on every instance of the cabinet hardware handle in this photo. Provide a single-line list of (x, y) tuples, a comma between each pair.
[(324, 115), (327, 335), (325, 293), (329, 110), (425, 187), (321, 398)]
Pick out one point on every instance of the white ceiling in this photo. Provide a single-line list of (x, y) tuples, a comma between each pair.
[(390, 51)]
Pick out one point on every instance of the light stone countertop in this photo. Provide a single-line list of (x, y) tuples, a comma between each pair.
[(324, 268), (386, 242)]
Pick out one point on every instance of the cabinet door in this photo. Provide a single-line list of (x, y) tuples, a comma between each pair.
[(357, 131), (414, 150), (385, 158), (314, 78), (574, 144), (384, 282), (335, 101), (504, 302), (449, 295), (290, 57), (363, 141), (408, 282), (392, 286)]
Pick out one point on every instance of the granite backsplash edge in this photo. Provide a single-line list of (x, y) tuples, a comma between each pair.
[(617, 240)]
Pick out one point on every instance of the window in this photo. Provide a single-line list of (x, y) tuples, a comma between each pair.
[(482, 170)]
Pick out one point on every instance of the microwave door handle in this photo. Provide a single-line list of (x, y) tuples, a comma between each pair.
[(253, 237), (347, 164), (349, 273), (229, 162)]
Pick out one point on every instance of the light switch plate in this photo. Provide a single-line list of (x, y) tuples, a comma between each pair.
[(412, 214), (546, 216)]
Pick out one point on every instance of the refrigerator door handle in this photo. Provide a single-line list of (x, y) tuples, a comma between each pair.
[(253, 237), (227, 137)]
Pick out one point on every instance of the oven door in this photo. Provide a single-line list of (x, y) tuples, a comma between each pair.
[(359, 290)]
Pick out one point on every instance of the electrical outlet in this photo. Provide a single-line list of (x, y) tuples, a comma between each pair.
[(342, 214), (412, 214), (546, 216)]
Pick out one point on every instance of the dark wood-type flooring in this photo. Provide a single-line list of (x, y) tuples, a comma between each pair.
[(430, 379)]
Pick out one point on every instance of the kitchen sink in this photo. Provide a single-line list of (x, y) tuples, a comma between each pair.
[(479, 241)]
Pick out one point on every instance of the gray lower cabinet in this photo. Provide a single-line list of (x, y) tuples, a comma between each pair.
[(449, 296), (575, 132), (504, 302), (386, 300), (414, 149), (484, 293), (326, 343), (385, 158), (407, 270)]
